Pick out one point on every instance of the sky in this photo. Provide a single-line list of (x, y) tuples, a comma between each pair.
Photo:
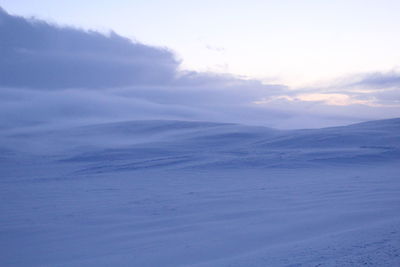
[(283, 64), (293, 42)]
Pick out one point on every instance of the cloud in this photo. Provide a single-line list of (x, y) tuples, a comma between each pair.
[(379, 80), (325, 98), (53, 75), (218, 49), (374, 89), (37, 54), (378, 89)]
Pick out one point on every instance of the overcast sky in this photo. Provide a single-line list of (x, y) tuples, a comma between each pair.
[(285, 64)]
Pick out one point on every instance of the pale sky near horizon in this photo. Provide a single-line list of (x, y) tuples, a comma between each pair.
[(291, 42)]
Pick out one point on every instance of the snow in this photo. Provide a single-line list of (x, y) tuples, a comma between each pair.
[(174, 193)]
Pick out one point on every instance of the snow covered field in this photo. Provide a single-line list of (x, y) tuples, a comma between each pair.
[(174, 193)]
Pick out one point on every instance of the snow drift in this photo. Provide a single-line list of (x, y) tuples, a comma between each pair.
[(179, 193)]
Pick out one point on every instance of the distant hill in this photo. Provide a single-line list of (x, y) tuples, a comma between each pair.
[(135, 145)]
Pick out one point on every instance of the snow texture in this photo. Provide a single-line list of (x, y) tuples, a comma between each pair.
[(180, 193)]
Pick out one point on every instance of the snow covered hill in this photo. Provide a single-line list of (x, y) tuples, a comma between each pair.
[(177, 193), (137, 145)]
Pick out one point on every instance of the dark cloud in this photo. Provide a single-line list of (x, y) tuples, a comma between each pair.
[(37, 54), (379, 80)]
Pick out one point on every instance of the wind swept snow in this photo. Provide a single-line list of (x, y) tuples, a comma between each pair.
[(175, 193)]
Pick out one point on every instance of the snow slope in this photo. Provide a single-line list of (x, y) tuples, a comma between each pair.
[(175, 193)]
